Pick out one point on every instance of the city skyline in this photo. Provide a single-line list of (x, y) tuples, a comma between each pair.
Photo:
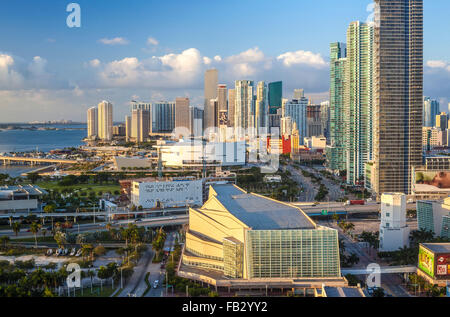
[(125, 62)]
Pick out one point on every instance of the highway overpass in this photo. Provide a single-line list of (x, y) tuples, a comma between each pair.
[(340, 208), (34, 160), (383, 270)]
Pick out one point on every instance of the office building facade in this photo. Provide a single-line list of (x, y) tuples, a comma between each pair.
[(105, 121)]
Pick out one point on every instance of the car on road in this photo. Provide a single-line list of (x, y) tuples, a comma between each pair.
[(155, 284), (137, 220)]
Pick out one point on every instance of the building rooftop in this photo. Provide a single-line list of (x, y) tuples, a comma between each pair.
[(22, 189), (261, 213), (438, 247), (343, 292)]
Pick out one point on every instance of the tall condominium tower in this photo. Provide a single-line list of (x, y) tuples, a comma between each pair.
[(358, 100), (140, 125), (105, 120), (297, 111), (92, 123), (336, 150), (398, 93), (222, 105), (127, 128), (163, 117), (325, 118), (243, 106), (275, 96), (211, 82), (430, 111), (442, 121), (261, 110), (182, 113), (231, 106)]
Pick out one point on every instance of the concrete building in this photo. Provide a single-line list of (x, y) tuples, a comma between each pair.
[(196, 121), (22, 198), (182, 114), (231, 107), (173, 192), (299, 93), (442, 121), (210, 91), (315, 142), (398, 102), (394, 232), (434, 263), (297, 111), (105, 121), (242, 237), (140, 125), (244, 107), (313, 124), (127, 128), (325, 118), (434, 216), (261, 106), (92, 123)]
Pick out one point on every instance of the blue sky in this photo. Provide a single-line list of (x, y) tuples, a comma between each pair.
[(56, 72)]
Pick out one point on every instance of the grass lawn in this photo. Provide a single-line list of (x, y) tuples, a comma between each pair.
[(48, 239), (82, 187), (105, 292)]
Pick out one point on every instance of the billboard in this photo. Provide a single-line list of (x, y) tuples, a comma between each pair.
[(433, 180), (443, 266), (426, 261)]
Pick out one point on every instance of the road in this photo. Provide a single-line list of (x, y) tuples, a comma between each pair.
[(136, 285), (334, 188), (309, 189), (149, 222)]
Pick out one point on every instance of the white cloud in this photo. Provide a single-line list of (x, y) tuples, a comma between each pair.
[(217, 58), (439, 64), (95, 63), (303, 58), (10, 78), (152, 41), (207, 60), (114, 41)]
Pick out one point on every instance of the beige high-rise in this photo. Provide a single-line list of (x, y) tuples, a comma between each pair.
[(140, 125), (105, 121), (92, 123), (182, 113), (211, 82), (398, 93)]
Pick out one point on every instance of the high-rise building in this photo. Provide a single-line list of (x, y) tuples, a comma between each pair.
[(92, 123), (231, 106), (196, 121), (430, 111), (244, 107), (296, 110), (182, 113), (336, 150), (261, 110), (105, 121), (398, 93), (298, 94), (442, 121), (325, 118), (314, 126), (210, 90), (358, 100), (127, 128), (140, 125), (434, 216), (163, 117), (275, 96)]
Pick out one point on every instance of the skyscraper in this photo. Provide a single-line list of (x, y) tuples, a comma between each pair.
[(299, 93), (127, 128), (105, 121), (140, 125), (163, 117), (314, 126), (231, 106), (296, 110), (222, 110), (398, 93), (261, 110), (275, 96), (182, 113), (325, 118), (336, 150), (92, 123), (358, 100), (210, 91), (243, 106), (430, 111), (442, 121)]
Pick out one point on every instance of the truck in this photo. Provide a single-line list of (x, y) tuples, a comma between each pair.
[(355, 202)]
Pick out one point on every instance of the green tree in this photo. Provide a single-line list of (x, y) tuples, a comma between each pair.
[(34, 228)]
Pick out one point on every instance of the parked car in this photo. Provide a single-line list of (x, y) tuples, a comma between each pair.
[(73, 252), (155, 284)]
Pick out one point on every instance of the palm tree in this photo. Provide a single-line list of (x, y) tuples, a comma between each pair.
[(16, 228), (87, 250), (34, 228)]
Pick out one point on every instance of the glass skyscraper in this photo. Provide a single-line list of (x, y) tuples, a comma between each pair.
[(336, 150), (275, 96), (430, 111), (398, 93)]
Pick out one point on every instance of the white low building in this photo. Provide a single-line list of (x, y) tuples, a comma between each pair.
[(150, 192), (24, 198), (394, 232)]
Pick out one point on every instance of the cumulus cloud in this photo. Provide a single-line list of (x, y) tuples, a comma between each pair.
[(152, 41), (10, 78), (95, 63), (302, 58), (114, 41)]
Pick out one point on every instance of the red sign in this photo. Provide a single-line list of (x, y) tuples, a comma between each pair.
[(443, 265)]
